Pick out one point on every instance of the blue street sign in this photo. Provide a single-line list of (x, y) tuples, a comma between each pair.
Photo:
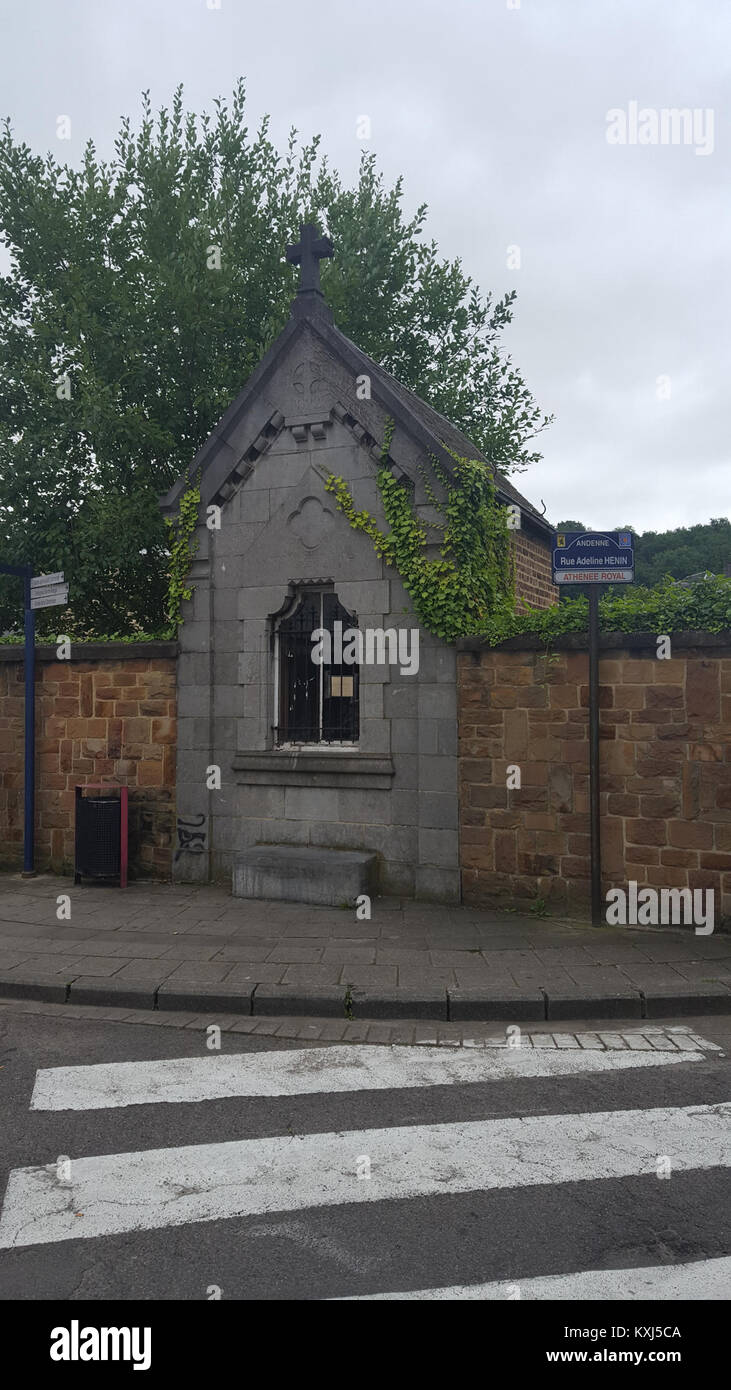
[(593, 557)]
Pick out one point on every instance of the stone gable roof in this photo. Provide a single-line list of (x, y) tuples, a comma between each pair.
[(430, 429)]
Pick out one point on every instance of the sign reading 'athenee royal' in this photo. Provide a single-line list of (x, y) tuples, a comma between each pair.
[(593, 557)]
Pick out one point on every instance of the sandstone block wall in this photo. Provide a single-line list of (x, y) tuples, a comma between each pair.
[(665, 757), (107, 714)]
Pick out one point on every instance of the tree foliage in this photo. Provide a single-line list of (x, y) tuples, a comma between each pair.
[(142, 292)]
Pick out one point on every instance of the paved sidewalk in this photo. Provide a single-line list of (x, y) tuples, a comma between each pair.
[(155, 946)]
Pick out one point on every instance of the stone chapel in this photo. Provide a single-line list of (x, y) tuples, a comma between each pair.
[(334, 779)]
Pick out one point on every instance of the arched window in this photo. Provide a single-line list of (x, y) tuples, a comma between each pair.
[(317, 701)]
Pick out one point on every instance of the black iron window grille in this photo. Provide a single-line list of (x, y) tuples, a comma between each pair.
[(318, 702)]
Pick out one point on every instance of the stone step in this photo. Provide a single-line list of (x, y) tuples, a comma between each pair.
[(327, 877)]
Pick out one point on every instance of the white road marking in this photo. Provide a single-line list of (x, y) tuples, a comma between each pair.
[(160, 1188), (309, 1071), (703, 1279), (707, 1046)]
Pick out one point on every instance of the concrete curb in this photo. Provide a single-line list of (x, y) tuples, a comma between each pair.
[(448, 1006)]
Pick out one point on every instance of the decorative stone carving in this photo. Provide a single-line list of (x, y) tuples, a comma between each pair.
[(311, 522), (307, 380)]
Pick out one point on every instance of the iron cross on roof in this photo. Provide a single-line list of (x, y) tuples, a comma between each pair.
[(307, 254)]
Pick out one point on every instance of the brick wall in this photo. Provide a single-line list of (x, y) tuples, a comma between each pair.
[(665, 760), (533, 572), (108, 713)]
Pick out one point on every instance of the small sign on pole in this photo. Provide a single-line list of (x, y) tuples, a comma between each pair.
[(50, 598), (43, 581)]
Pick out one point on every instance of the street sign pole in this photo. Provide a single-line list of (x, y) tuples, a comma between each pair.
[(594, 804), (30, 732), (591, 560), (25, 572)]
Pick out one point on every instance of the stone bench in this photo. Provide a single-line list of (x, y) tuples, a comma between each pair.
[(328, 877)]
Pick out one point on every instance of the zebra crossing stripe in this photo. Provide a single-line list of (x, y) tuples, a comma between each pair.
[(113, 1193), (703, 1279), (310, 1071)]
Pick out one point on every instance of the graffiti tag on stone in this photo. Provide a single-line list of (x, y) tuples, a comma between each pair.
[(191, 839)]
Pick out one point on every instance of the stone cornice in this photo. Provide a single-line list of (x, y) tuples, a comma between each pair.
[(93, 651), (339, 767), (608, 641)]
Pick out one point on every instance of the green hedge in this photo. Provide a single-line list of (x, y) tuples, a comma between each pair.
[(47, 639), (701, 606)]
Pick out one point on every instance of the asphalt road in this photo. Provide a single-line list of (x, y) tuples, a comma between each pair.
[(532, 1175)]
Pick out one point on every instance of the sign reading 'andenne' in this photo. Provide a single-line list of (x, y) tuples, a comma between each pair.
[(593, 557)]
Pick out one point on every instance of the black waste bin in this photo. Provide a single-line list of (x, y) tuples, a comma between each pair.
[(100, 835)]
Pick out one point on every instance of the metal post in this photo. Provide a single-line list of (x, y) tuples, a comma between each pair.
[(25, 572), (597, 915), (30, 732)]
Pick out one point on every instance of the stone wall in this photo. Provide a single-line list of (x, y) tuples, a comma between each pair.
[(665, 758), (533, 571), (107, 714)]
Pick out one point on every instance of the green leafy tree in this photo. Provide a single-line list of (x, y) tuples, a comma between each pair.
[(142, 292), (686, 550)]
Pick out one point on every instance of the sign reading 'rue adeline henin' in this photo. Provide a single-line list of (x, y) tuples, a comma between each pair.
[(593, 557)]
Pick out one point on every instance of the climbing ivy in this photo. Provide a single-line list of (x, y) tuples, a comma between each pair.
[(472, 579), (182, 552)]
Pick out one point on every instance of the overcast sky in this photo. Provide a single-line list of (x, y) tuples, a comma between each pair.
[(495, 112)]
